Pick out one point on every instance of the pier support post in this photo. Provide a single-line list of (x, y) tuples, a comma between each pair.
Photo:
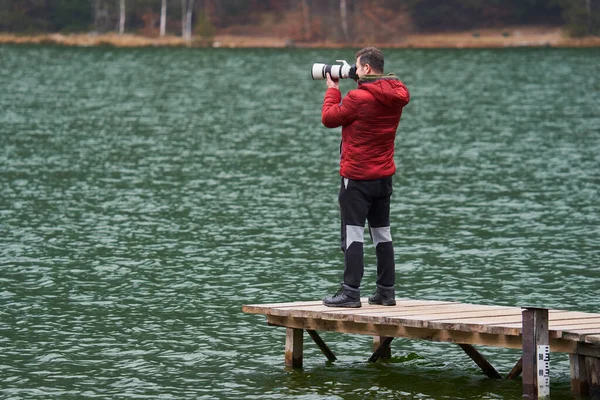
[(593, 371), (382, 349), (293, 347), (322, 345), (516, 370), (579, 376), (536, 352), (487, 368), (386, 351)]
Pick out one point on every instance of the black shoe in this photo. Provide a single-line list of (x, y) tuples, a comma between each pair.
[(383, 296), (345, 297)]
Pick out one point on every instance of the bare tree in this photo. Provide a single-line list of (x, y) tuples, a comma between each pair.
[(344, 18), (187, 11), (122, 17), (188, 20), (163, 18)]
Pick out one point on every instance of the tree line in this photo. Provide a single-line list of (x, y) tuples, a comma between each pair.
[(336, 20)]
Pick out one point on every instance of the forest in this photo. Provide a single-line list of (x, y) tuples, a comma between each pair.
[(300, 20)]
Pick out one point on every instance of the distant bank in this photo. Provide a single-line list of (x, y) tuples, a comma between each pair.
[(490, 38)]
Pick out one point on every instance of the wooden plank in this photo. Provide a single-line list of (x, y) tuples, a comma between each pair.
[(586, 349), (396, 331), (375, 316), (556, 329), (573, 314), (264, 308), (475, 324), (419, 322), (439, 309), (479, 324), (569, 328), (564, 320), (498, 329), (580, 335), (592, 339), (401, 309), (585, 331), (477, 319), (436, 335), (475, 315), (317, 306), (575, 321), (338, 313), (376, 311), (433, 312)]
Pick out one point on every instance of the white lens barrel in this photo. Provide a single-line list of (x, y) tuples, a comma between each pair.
[(344, 71), (318, 71), (336, 71)]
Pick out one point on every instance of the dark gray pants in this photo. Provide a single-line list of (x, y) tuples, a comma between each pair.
[(362, 201)]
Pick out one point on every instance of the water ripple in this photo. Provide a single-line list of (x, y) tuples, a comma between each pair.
[(147, 194)]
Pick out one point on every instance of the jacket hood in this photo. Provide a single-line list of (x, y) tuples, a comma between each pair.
[(387, 89)]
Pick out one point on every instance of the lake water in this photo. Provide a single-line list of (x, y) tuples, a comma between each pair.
[(148, 193)]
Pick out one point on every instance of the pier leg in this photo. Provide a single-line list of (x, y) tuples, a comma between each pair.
[(579, 379), (383, 347), (480, 360), (293, 347), (593, 369), (317, 339), (386, 352), (536, 380)]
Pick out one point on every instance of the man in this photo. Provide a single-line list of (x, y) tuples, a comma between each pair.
[(369, 117)]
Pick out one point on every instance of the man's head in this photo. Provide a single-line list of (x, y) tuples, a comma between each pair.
[(369, 61)]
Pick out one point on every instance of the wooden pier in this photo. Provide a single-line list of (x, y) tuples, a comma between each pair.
[(536, 331)]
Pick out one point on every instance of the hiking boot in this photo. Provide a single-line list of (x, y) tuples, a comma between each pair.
[(345, 297), (384, 296)]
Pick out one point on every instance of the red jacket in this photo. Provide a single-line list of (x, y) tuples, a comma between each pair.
[(369, 117)]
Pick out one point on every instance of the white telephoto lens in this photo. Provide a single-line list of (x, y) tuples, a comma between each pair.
[(344, 71), (318, 71), (336, 71)]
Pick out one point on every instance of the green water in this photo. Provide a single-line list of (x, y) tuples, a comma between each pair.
[(147, 194)]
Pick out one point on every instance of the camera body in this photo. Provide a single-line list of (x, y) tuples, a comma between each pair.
[(319, 71)]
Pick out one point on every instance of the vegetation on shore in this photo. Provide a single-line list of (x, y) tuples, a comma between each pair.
[(302, 23), (490, 38)]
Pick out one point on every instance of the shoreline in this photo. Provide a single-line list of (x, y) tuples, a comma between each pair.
[(489, 38)]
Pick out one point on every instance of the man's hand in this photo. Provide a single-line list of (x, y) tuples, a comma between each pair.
[(331, 83)]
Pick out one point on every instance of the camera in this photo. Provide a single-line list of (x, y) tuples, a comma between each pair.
[(319, 71)]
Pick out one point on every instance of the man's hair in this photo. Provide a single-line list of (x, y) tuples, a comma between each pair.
[(371, 56)]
